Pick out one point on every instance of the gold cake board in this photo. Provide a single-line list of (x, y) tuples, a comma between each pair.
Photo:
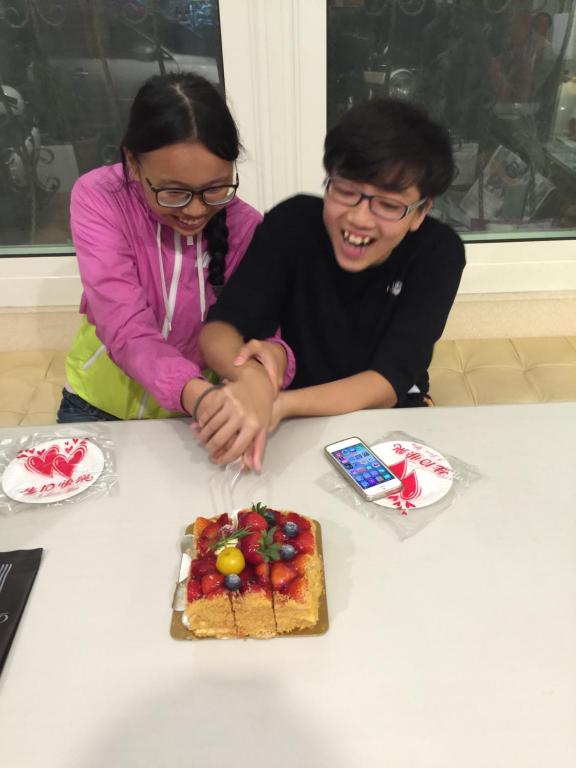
[(179, 632)]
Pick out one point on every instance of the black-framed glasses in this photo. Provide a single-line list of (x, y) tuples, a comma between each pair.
[(381, 206), (175, 197)]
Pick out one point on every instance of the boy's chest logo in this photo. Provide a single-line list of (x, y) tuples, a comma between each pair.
[(395, 288)]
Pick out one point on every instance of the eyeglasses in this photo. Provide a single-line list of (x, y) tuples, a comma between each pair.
[(382, 207), (174, 197)]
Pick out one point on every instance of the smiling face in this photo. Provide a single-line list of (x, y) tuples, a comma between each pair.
[(360, 238), (188, 165)]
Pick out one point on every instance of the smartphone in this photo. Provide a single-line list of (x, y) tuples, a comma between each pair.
[(363, 469)]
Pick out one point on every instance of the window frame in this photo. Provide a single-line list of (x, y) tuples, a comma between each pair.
[(269, 52)]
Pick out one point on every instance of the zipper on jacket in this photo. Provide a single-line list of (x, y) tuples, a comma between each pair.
[(92, 359)]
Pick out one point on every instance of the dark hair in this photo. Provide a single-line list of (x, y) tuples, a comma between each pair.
[(169, 109), (391, 144)]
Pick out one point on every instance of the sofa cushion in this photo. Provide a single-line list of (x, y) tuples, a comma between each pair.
[(462, 372), (492, 371)]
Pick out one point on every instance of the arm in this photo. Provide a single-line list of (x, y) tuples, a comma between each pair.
[(354, 393), (225, 352), (116, 303), (247, 309), (231, 419)]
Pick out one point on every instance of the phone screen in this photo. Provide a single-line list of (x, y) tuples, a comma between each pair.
[(362, 466)]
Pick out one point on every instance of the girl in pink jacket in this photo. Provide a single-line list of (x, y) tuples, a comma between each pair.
[(156, 238)]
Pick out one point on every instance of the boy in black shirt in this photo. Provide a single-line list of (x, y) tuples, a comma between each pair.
[(359, 283)]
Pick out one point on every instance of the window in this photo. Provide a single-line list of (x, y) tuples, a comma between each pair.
[(499, 74), (68, 73)]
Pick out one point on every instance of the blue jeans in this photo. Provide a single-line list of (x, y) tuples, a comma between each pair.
[(74, 408)]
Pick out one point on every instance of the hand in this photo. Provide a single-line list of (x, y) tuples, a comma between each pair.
[(271, 356), (231, 418)]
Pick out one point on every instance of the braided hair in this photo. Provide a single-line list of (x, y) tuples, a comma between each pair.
[(178, 107)]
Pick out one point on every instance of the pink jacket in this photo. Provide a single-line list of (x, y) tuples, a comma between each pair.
[(122, 249)]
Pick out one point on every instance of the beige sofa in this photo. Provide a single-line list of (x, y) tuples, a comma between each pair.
[(463, 372)]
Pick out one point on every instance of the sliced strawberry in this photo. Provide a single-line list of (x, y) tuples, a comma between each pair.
[(279, 536), (211, 532), (246, 577), (304, 542), (211, 581), (280, 517), (254, 521), (194, 590), (297, 589), (300, 563), (250, 546), (202, 547), (223, 520), (203, 565), (281, 574), (262, 572), (200, 525), (301, 522)]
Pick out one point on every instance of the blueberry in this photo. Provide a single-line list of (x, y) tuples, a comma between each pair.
[(270, 517), (291, 529), (232, 581), (287, 551)]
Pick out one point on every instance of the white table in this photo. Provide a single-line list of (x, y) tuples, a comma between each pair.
[(456, 648)]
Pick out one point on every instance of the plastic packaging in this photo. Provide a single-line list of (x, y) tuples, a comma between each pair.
[(432, 480), (67, 465), (234, 488)]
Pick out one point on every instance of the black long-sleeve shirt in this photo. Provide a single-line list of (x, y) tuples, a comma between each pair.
[(338, 323)]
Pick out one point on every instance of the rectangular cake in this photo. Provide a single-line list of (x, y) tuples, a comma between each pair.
[(258, 579)]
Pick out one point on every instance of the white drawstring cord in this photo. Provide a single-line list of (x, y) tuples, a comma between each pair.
[(200, 270), (167, 324), (169, 298)]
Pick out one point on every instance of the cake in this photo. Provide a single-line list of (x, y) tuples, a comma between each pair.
[(260, 579)]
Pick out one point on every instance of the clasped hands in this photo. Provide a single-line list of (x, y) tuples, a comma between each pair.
[(235, 419)]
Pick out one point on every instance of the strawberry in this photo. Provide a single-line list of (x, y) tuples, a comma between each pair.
[(202, 547), (300, 563), (297, 589), (194, 590), (279, 536), (254, 521), (260, 547), (211, 582), (268, 514), (250, 546), (262, 572), (246, 577), (304, 542), (223, 520), (211, 532), (301, 522), (279, 517), (281, 574), (203, 565)]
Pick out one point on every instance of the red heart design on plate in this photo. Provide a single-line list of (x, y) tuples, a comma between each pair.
[(43, 465), (65, 466), (410, 486)]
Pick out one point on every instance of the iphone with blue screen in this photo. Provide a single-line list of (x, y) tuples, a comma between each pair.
[(362, 468)]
